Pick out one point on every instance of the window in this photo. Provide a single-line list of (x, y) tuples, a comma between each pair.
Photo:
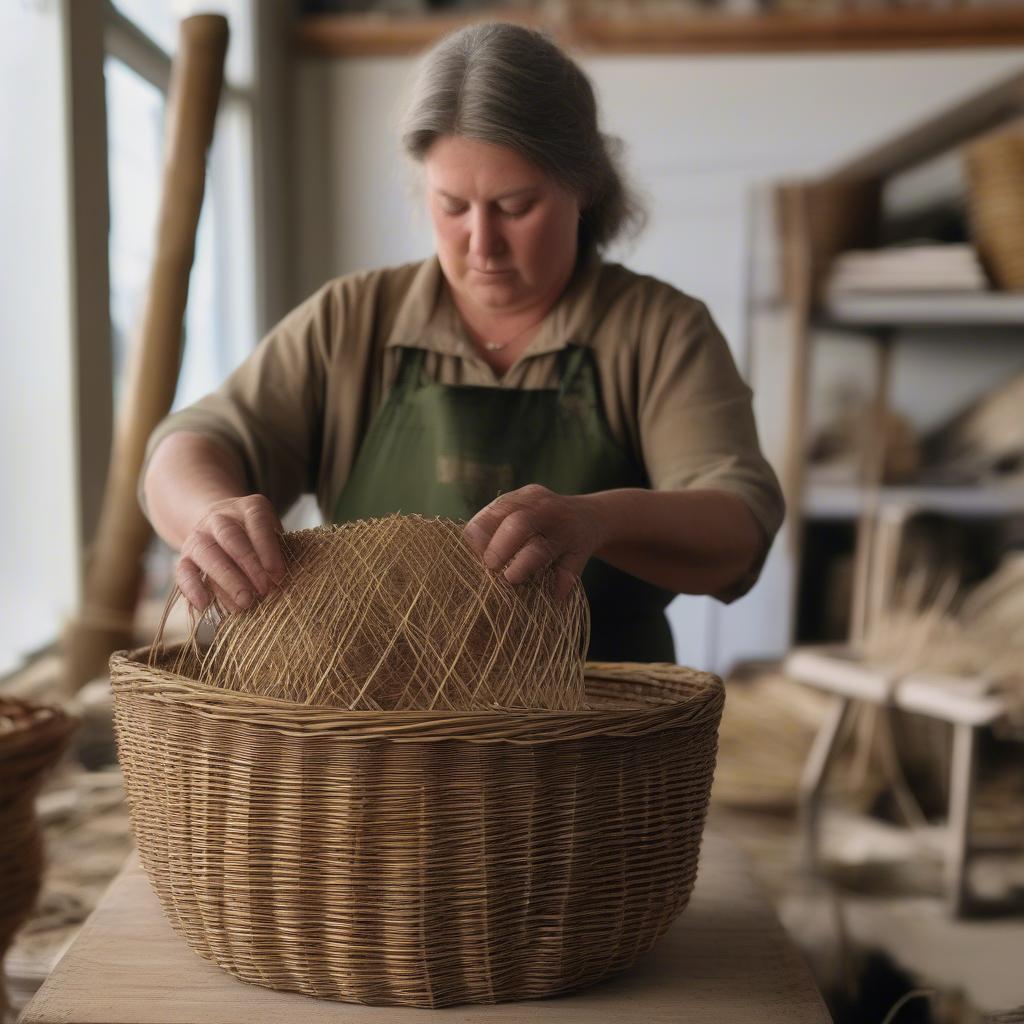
[(70, 66), (220, 321), (38, 555), (135, 114)]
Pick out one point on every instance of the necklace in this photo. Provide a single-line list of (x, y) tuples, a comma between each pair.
[(497, 346)]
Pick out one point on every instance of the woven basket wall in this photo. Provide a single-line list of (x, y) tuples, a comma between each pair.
[(32, 738), (419, 858), (995, 177)]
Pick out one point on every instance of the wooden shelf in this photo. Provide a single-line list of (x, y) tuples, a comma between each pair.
[(349, 35), (924, 309), (839, 501)]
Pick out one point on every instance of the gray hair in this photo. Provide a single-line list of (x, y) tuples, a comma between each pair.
[(511, 86)]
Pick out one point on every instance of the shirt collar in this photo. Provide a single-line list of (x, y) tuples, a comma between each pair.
[(427, 318)]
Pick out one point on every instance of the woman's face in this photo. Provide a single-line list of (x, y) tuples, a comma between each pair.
[(505, 231)]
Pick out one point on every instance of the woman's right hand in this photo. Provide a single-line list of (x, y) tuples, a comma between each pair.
[(233, 553)]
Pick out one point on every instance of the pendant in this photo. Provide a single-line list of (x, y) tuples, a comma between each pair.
[(492, 346)]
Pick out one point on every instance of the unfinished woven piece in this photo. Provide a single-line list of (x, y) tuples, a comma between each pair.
[(419, 858), (32, 738), (397, 614)]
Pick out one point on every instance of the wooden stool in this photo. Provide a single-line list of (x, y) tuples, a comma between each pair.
[(969, 705)]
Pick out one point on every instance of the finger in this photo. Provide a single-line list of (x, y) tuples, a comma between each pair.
[(531, 560), (480, 529), (190, 582), (224, 599), (235, 542), (565, 581), (568, 573), (265, 530), (221, 570), (514, 532)]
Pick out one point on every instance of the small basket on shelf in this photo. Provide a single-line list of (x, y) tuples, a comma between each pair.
[(995, 176)]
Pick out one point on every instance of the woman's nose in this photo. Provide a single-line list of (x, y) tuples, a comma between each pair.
[(484, 237)]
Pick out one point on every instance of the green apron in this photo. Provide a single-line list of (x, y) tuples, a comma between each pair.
[(446, 450)]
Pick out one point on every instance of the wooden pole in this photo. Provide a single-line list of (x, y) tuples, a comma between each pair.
[(114, 568)]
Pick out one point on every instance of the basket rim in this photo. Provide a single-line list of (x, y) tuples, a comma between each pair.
[(697, 700), (40, 719)]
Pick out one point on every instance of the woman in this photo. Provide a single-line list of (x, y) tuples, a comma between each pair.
[(576, 414)]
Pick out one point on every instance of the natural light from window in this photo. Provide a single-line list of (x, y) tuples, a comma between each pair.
[(135, 113)]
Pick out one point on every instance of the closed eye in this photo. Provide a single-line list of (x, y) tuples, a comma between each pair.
[(516, 211)]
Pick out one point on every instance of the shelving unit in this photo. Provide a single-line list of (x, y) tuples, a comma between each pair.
[(937, 311), (573, 26), (942, 315), (839, 211), (850, 501), (820, 219)]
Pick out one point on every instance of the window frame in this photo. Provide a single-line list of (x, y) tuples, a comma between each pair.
[(93, 31)]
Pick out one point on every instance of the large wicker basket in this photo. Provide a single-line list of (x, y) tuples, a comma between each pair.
[(418, 858)]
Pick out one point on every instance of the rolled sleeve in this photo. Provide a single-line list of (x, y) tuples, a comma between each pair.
[(697, 429)]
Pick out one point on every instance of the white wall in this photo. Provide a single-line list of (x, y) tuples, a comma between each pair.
[(38, 514), (699, 133)]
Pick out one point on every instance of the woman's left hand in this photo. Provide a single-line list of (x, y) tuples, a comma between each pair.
[(532, 528)]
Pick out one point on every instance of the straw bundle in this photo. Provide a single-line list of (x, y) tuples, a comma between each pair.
[(398, 614), (995, 176), (767, 729), (942, 627), (983, 440), (32, 738)]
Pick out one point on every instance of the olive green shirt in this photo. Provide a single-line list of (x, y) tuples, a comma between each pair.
[(295, 412)]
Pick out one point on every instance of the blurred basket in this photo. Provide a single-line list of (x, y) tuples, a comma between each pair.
[(32, 738), (414, 857), (995, 179)]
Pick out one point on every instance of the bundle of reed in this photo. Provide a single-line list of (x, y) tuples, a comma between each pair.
[(397, 614), (32, 738), (767, 729), (986, 438), (945, 627), (847, 440)]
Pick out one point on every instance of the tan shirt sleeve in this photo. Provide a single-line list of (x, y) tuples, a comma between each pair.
[(696, 421), (269, 413)]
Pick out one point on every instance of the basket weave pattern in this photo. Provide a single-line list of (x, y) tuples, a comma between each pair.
[(419, 858)]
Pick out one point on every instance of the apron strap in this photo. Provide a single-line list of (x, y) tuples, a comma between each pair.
[(573, 363), (410, 371)]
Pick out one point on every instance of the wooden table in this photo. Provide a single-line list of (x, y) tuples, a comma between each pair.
[(726, 960)]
